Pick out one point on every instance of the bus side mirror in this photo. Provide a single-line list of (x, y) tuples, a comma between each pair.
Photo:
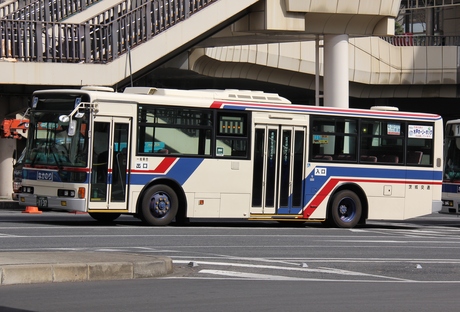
[(15, 154), (64, 118)]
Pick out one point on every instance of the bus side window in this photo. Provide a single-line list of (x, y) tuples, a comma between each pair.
[(389, 159), (414, 158), (232, 135)]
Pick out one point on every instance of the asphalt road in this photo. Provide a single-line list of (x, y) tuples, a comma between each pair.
[(412, 265)]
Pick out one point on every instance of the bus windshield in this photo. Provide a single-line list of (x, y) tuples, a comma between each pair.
[(52, 144)]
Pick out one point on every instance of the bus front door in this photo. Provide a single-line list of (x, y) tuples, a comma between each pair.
[(279, 158), (110, 160)]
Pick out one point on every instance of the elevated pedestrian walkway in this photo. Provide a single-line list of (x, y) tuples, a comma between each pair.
[(377, 67), (109, 51)]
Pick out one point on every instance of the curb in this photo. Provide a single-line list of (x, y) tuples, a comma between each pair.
[(118, 268)]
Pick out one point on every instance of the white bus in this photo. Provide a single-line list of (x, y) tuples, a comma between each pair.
[(167, 155), (451, 182)]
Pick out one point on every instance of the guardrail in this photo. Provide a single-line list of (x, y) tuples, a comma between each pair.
[(42, 41)]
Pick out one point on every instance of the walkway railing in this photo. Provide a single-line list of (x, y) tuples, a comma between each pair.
[(422, 40), (118, 10), (9, 7), (43, 10), (427, 4), (41, 41)]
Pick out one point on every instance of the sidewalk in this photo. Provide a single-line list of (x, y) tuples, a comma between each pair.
[(62, 266)]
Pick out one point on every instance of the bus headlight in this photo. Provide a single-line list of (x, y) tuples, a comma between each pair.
[(27, 189), (66, 193), (448, 203)]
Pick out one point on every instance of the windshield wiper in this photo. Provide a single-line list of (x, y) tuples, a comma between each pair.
[(32, 163), (56, 159)]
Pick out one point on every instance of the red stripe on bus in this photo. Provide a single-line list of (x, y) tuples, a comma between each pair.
[(161, 168), (164, 165), (56, 168), (217, 104), (305, 108), (75, 169), (318, 199)]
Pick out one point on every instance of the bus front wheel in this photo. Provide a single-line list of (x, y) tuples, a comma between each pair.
[(159, 205), (346, 209)]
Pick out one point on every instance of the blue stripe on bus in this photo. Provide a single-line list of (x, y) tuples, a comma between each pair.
[(450, 188), (180, 172), (314, 183), (381, 173), (45, 175), (184, 168)]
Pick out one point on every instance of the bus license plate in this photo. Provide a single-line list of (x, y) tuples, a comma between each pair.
[(42, 202)]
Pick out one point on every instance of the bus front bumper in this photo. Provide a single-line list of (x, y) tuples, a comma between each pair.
[(437, 206), (52, 202)]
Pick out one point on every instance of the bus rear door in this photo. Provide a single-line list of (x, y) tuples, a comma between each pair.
[(279, 158)]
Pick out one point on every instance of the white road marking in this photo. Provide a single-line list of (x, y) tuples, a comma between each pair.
[(249, 275), (298, 261), (306, 279), (298, 269)]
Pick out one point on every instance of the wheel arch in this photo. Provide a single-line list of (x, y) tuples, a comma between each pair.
[(182, 211), (359, 192)]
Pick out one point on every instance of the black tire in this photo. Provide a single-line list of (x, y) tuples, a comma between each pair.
[(159, 205), (104, 217), (345, 210)]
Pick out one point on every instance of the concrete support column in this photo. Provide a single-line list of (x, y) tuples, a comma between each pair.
[(336, 89), (6, 167)]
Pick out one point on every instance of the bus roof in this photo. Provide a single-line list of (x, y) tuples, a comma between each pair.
[(233, 99), (227, 94)]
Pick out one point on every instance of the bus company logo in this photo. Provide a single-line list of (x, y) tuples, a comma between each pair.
[(419, 187), (44, 175), (320, 171)]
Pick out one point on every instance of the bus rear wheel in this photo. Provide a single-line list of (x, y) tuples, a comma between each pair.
[(159, 205), (104, 217), (346, 209)]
